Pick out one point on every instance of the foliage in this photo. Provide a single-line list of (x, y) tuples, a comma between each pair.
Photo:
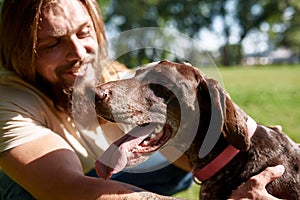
[(232, 20), (103, 4), (291, 36), (236, 19), (187, 16), (127, 15)]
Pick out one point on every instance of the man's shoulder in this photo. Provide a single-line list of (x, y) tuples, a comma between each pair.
[(14, 92), (12, 84)]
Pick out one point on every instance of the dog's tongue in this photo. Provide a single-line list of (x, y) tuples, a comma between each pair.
[(115, 158)]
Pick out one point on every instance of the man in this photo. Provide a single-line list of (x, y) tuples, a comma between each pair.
[(46, 47)]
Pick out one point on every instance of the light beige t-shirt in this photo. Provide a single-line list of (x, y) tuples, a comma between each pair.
[(27, 114)]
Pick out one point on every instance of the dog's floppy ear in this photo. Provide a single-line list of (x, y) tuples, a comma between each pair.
[(230, 119), (235, 128)]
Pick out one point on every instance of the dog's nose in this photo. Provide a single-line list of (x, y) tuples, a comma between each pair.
[(103, 93)]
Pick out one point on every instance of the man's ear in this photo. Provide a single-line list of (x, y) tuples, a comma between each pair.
[(233, 125)]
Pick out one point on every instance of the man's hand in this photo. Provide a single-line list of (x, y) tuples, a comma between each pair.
[(254, 188)]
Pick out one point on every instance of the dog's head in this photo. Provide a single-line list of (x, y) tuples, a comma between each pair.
[(166, 100)]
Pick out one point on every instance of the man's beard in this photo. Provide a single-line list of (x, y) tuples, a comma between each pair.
[(61, 92)]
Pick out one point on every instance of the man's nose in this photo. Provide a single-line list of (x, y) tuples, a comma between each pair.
[(76, 50)]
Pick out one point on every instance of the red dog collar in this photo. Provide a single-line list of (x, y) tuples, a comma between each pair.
[(223, 158)]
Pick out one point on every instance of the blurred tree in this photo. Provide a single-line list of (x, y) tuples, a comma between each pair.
[(290, 36), (279, 19), (188, 17), (253, 15), (103, 6), (238, 19)]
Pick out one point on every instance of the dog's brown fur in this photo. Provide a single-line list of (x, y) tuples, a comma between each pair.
[(184, 90)]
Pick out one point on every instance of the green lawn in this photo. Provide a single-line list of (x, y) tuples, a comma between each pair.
[(270, 94)]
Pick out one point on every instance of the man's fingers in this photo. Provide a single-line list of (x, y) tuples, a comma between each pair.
[(254, 188), (269, 174)]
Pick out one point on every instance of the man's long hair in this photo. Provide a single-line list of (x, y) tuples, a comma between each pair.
[(18, 34)]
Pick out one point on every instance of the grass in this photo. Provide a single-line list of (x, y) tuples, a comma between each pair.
[(270, 94)]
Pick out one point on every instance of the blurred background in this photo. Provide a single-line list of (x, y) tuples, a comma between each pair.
[(234, 32)]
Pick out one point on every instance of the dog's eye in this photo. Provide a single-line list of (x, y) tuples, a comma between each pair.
[(146, 124)]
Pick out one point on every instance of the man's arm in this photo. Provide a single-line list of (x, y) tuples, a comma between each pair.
[(49, 169)]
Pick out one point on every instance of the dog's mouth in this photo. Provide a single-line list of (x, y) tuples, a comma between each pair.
[(159, 136), (133, 148)]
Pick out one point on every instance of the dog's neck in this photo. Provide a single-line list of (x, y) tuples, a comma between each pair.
[(223, 158)]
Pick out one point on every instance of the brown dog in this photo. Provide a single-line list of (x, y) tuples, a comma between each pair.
[(175, 104)]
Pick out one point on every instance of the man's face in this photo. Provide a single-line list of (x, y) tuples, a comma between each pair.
[(66, 43)]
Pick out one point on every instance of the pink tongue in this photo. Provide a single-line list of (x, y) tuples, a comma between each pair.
[(114, 159)]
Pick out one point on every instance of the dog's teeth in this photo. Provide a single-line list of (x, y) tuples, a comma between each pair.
[(135, 150), (158, 129), (152, 136), (146, 143), (127, 152)]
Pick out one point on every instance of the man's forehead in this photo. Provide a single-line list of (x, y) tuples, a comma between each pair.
[(48, 2), (60, 17), (63, 7)]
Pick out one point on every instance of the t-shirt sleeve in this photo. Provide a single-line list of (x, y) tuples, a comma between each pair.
[(18, 126), (22, 116)]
